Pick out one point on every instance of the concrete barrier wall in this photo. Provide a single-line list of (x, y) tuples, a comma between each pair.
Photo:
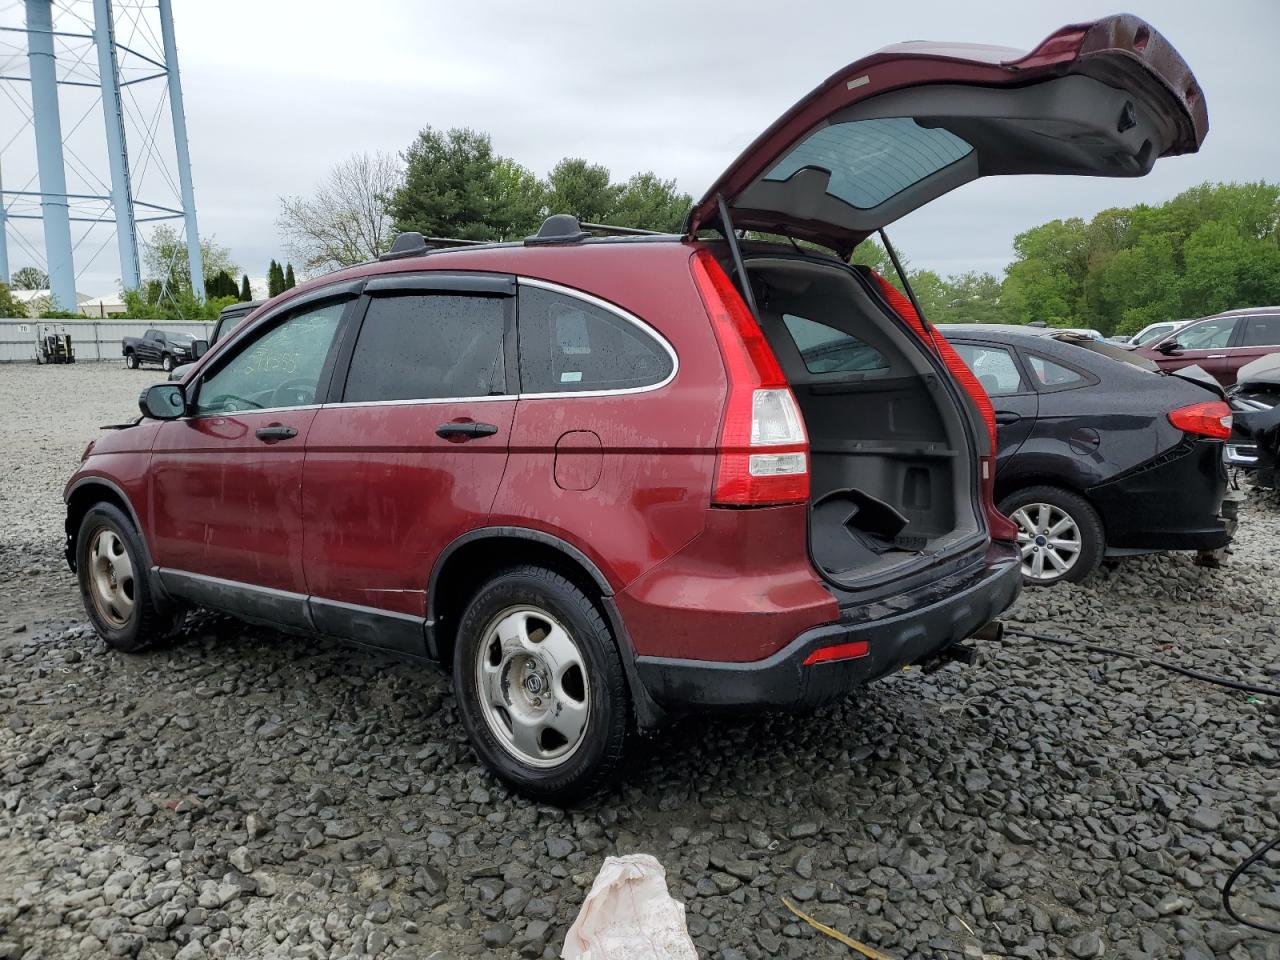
[(90, 339)]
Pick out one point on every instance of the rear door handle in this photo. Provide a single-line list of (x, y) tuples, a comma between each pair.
[(1007, 416), (465, 430), (275, 433), (1216, 356)]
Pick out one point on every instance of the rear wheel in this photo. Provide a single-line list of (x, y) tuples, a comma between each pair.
[(1059, 534), (540, 685), (111, 567)]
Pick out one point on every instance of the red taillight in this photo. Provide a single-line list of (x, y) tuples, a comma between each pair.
[(1002, 528), (764, 451), (1209, 419), (841, 651)]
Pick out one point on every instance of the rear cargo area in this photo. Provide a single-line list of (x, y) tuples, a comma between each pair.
[(894, 478)]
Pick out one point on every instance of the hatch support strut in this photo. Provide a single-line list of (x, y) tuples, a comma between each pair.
[(906, 284), (726, 224)]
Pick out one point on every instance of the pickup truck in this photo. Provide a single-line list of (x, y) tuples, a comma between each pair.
[(162, 347)]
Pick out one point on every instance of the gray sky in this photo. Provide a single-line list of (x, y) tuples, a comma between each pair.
[(278, 92)]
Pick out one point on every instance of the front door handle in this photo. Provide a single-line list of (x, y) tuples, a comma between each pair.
[(1216, 356), (275, 433), (461, 430), (1007, 416)]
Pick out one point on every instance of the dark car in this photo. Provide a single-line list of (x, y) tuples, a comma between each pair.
[(611, 479), (228, 317), (1220, 344), (1098, 457), (161, 347), (1255, 435)]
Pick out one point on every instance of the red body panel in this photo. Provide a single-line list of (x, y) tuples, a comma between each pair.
[(383, 496), (225, 504)]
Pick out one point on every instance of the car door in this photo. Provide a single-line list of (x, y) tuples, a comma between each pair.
[(1015, 402), (226, 480), (1205, 343), (1260, 336), (149, 347), (409, 453)]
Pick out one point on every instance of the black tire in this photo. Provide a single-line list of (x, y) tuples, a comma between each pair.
[(146, 623), (1091, 537), (608, 703), (166, 363), (131, 360)]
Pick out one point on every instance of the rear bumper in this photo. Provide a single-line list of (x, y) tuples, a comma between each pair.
[(1174, 502), (917, 627)]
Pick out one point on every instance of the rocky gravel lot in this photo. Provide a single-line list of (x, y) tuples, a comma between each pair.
[(245, 794)]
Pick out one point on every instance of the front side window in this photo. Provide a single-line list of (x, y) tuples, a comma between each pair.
[(1053, 375), (994, 367), (1151, 333), (1210, 335), (1262, 331), (429, 347), (568, 345), (826, 349), (280, 368)]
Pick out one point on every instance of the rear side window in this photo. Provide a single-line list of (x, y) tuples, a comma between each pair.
[(1262, 332), (1050, 374), (824, 349), (994, 367), (428, 347), (568, 345)]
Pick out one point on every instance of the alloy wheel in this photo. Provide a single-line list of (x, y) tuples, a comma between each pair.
[(111, 581), (1049, 540), (531, 682)]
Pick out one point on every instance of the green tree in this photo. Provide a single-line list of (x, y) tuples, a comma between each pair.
[(275, 279), (455, 185), (648, 202), (582, 189), (289, 281), (10, 307), (29, 278), (220, 286), (246, 292), (164, 256)]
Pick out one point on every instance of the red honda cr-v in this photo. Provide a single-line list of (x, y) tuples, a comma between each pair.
[(612, 478)]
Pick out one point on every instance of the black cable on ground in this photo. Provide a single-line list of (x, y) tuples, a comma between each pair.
[(1195, 675), (1153, 661)]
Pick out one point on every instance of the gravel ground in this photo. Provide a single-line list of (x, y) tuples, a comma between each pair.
[(244, 794)]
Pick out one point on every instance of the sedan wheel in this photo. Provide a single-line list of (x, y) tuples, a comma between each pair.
[(532, 681), (1049, 539)]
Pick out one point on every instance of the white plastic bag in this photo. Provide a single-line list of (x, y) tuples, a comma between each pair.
[(628, 915)]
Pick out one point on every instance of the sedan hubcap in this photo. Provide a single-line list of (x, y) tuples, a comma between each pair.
[(1049, 540), (111, 583), (532, 684)]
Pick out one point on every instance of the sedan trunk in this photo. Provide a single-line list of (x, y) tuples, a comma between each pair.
[(893, 473)]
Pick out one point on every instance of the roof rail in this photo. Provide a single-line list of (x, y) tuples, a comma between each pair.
[(620, 231), (412, 243)]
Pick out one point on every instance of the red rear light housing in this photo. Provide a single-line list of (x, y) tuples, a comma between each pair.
[(764, 450), (839, 651), (1211, 418)]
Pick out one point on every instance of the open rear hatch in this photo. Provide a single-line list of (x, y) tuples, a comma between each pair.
[(896, 462), (892, 131)]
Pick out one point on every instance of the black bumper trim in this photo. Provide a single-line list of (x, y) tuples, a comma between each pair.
[(782, 681)]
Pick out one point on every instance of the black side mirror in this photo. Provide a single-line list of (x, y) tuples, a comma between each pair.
[(1169, 347), (199, 348), (164, 401)]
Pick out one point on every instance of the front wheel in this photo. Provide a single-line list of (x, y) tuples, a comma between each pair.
[(111, 567), (1059, 534), (166, 362), (131, 360), (540, 686)]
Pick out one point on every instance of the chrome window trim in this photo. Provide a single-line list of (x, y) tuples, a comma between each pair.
[(417, 401), (239, 413), (616, 311)]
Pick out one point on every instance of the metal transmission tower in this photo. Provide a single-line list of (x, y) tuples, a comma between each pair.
[(63, 182)]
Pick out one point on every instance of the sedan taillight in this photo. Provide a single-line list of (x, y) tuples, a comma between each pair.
[(1209, 419)]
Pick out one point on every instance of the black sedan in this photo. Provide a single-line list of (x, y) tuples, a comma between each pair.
[(1099, 456)]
